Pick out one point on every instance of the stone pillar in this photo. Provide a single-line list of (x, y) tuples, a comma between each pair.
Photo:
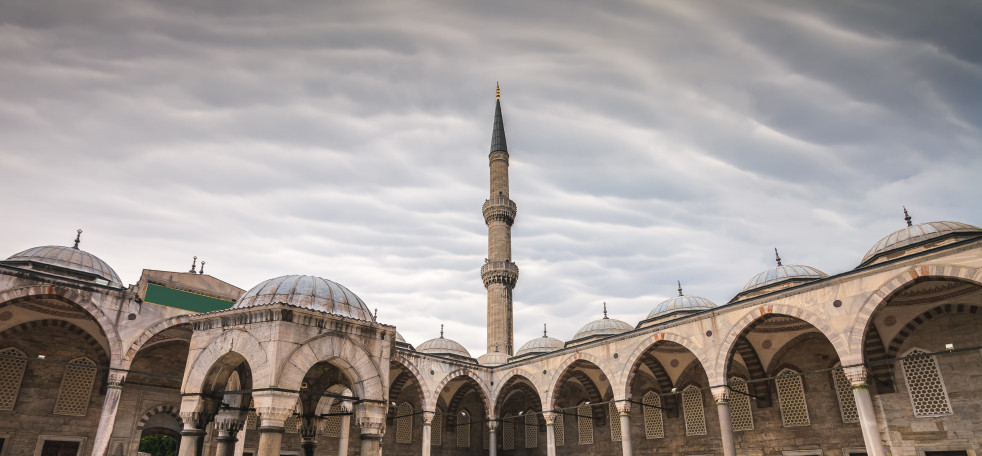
[(192, 436), (308, 435), (343, 435), (427, 433), (114, 389), (722, 396), (624, 412), (271, 430), (227, 423), (864, 405), (550, 418), (371, 420), (492, 437)]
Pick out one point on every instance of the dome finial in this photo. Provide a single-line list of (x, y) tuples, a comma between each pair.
[(78, 237), (777, 256), (202, 270), (375, 316), (605, 310), (907, 217), (497, 91), (441, 330), (680, 287), (194, 265), (545, 333)]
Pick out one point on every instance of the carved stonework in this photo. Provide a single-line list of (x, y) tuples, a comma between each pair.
[(721, 394), (493, 425), (273, 416), (308, 429), (623, 407), (116, 379), (857, 376), (428, 417), (550, 418)]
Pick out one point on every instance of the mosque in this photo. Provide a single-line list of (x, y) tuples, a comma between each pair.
[(882, 359)]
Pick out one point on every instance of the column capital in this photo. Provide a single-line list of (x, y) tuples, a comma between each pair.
[(308, 429), (428, 418), (273, 417), (116, 379), (857, 376), (493, 425), (623, 407), (721, 394), (229, 422), (370, 417), (550, 418)]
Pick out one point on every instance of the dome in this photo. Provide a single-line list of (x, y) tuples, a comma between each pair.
[(783, 273), (69, 258), (493, 359), (443, 346), (310, 292), (399, 338), (681, 303), (603, 327), (544, 344), (913, 234)]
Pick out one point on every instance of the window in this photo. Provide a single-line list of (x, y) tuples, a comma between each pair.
[(847, 402), (436, 429), (292, 424), (615, 424), (508, 432), (559, 430), (76, 388), (252, 418), (653, 426), (404, 423), (928, 395), (11, 375), (463, 429), (695, 414), (59, 445), (740, 414), (531, 430), (791, 395), (584, 420), (332, 424)]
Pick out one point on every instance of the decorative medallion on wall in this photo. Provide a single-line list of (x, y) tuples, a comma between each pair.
[(674, 363), (767, 344), (890, 320), (6, 315)]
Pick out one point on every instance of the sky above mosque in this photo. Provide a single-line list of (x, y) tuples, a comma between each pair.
[(650, 142)]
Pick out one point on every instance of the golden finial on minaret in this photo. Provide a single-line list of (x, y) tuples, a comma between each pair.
[(498, 90)]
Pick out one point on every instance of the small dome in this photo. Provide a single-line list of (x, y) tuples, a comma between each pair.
[(69, 258), (399, 338), (783, 273), (443, 346), (681, 304), (913, 234), (544, 344), (310, 292), (603, 327), (493, 359)]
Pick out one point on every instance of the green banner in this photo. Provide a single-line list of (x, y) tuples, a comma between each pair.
[(186, 300)]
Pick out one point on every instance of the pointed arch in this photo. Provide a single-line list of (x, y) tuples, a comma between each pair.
[(160, 326), (482, 388), (635, 358), (565, 365), (232, 341), (517, 383), (414, 375), (352, 359)]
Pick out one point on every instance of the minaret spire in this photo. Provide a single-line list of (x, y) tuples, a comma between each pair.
[(499, 273), (907, 217)]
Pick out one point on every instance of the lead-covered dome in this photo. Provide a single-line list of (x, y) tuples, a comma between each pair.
[(443, 346), (681, 303), (914, 234), (544, 344), (783, 273), (309, 292), (71, 258), (602, 327)]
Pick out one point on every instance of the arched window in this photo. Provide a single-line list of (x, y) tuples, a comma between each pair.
[(692, 408), (740, 414), (436, 428), (76, 388), (584, 421), (928, 395), (615, 424), (843, 390), (463, 429), (332, 425), (404, 423), (531, 430), (11, 375), (508, 432), (559, 430), (653, 427), (791, 395)]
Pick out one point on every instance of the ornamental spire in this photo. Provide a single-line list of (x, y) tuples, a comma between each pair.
[(78, 237), (498, 131), (907, 217), (441, 330), (680, 287), (194, 265), (202, 270), (605, 310), (545, 333), (776, 255)]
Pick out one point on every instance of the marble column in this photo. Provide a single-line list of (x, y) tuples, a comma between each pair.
[(114, 389), (227, 423), (343, 435), (308, 435), (192, 436), (427, 433), (624, 411), (371, 421), (722, 396), (550, 418), (271, 429), (492, 437), (864, 405)]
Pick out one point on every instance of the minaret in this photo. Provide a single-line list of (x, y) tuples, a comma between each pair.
[(499, 273)]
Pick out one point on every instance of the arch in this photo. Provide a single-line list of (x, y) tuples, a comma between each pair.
[(917, 321), (341, 352), (777, 361), (564, 365), (755, 370), (167, 409), (482, 388), (97, 349), (864, 315), (636, 357), (402, 361), (515, 383), (157, 328), (520, 372), (718, 374), (232, 341), (74, 297)]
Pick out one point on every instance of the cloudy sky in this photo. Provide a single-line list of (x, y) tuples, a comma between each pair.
[(650, 142)]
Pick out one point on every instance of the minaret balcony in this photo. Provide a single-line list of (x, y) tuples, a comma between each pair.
[(499, 209), (504, 272)]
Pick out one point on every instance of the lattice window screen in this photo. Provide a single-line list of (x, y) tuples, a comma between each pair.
[(559, 430), (847, 402), (76, 388), (11, 375), (531, 431), (508, 433), (740, 414), (252, 418), (404, 424), (791, 395), (695, 414), (653, 426), (584, 421), (436, 429), (292, 424), (615, 424), (463, 431), (332, 423), (928, 394)]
